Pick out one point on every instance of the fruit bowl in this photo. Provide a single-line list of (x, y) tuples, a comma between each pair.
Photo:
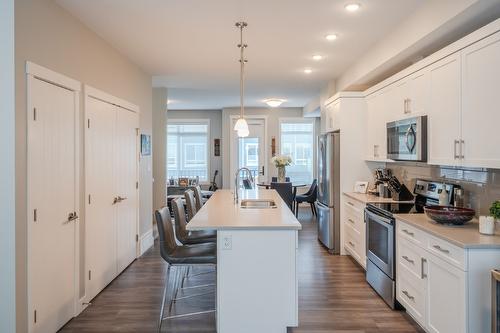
[(449, 215)]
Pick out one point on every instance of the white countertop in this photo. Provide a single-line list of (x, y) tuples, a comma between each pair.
[(369, 198), (220, 212), (465, 236)]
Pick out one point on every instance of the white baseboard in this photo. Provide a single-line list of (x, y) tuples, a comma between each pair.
[(146, 241)]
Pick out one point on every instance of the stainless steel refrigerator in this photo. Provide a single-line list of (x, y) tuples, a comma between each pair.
[(328, 204)]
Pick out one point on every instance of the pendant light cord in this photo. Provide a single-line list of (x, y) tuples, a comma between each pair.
[(241, 26)]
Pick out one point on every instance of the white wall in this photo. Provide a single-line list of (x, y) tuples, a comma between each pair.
[(159, 147), (215, 117), (7, 169), (49, 36), (273, 115)]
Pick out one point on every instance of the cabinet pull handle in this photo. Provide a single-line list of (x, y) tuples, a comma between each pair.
[(408, 233), (407, 294), (455, 153), (350, 220), (462, 143), (422, 272), (408, 259), (437, 247), (352, 244), (350, 203), (408, 105)]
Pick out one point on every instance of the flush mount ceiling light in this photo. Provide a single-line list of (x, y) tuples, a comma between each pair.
[(331, 37), (317, 57), (308, 71), (352, 7), (241, 125), (274, 102)]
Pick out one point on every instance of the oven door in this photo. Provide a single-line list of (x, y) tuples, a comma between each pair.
[(406, 139), (380, 242)]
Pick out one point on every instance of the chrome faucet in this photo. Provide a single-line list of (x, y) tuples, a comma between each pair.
[(237, 182)]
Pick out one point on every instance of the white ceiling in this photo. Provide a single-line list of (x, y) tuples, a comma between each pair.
[(189, 46)]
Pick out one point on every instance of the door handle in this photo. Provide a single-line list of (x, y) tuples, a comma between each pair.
[(456, 155), (71, 217), (411, 132)]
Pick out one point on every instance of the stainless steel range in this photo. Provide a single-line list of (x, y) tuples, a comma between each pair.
[(380, 234)]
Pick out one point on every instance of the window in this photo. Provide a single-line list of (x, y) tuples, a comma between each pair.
[(188, 149), (297, 141)]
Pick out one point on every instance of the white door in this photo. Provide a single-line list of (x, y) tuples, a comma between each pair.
[(377, 116), (250, 151), (52, 197), (445, 297), (126, 157), (480, 111), (100, 225), (444, 111)]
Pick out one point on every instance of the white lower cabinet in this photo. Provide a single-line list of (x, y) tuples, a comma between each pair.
[(445, 288), (354, 230)]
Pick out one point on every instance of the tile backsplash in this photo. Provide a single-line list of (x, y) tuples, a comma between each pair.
[(481, 186)]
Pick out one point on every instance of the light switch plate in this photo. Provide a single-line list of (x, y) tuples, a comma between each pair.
[(227, 242)]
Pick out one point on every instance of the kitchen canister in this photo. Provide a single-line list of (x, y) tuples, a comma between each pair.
[(487, 225)]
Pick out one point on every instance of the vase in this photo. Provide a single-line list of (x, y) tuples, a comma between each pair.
[(281, 174)]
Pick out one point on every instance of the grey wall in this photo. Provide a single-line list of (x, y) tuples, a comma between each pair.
[(49, 36), (215, 117), (482, 186), (7, 170), (273, 116), (159, 147)]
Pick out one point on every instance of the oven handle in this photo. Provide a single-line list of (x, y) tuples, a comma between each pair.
[(378, 218)]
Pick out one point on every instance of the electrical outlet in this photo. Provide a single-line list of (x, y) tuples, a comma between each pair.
[(227, 242)]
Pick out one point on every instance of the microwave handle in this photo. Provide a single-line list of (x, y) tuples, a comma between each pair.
[(411, 132)]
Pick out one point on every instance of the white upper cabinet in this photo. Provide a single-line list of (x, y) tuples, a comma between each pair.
[(376, 146), (480, 109), (444, 111), (417, 101), (332, 116)]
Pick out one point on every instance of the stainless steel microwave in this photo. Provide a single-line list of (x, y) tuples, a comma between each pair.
[(407, 139)]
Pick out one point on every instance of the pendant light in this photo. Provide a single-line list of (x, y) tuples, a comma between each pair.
[(241, 125)]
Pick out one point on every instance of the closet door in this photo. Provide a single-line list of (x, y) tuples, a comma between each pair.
[(100, 221), (126, 158), (51, 199)]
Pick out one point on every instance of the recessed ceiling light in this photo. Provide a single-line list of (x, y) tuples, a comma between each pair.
[(274, 102), (317, 57), (308, 71), (352, 7), (331, 37)]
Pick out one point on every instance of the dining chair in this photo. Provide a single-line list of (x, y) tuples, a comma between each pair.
[(310, 197), (285, 190), (275, 179)]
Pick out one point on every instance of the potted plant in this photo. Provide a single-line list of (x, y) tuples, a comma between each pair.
[(495, 210), (280, 162)]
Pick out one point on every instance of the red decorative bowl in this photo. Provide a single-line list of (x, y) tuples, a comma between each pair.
[(449, 215)]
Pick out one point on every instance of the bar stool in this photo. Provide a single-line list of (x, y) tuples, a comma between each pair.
[(191, 206), (181, 233), (179, 258), (199, 198)]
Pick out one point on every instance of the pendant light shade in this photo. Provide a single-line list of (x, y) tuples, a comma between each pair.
[(241, 124), (243, 133)]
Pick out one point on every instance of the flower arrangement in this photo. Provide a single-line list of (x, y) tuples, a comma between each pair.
[(281, 161)]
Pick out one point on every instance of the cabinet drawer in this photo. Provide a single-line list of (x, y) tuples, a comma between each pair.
[(353, 244), (355, 205), (447, 251), (414, 235), (410, 292), (354, 220), (410, 257)]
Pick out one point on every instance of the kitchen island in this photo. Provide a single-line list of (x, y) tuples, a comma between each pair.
[(256, 260)]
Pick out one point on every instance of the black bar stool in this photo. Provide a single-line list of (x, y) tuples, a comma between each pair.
[(179, 258), (182, 235)]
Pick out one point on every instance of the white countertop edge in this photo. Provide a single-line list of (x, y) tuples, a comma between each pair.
[(246, 227), (371, 198), (404, 218)]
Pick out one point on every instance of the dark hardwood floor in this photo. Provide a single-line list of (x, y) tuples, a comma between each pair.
[(333, 297)]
